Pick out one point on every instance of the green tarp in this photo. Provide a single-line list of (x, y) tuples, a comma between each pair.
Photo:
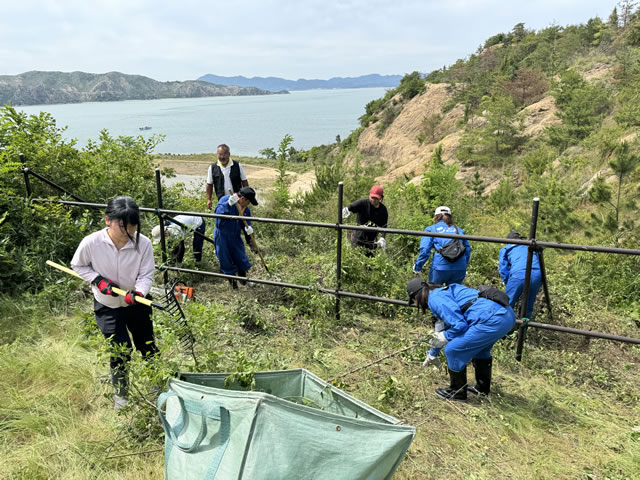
[(292, 425)]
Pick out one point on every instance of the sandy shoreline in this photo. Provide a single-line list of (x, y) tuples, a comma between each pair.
[(193, 175)]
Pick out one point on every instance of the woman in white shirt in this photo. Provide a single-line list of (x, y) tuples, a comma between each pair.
[(119, 256)]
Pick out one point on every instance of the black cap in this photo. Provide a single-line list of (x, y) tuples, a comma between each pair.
[(514, 234), (414, 286), (248, 193)]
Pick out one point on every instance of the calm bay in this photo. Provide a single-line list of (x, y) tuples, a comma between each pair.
[(197, 125)]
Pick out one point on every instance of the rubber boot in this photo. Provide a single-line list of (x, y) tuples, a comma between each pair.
[(457, 390), (482, 367), (242, 273), (233, 283), (120, 384)]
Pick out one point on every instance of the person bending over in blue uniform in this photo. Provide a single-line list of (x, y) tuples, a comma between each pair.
[(442, 270), (513, 267), (473, 324), (227, 234)]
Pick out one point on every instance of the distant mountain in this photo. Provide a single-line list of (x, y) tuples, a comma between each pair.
[(40, 88), (276, 84)]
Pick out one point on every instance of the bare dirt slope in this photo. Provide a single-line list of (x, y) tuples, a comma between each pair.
[(400, 150), (193, 173), (405, 157)]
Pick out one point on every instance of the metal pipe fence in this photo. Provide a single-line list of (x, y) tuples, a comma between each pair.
[(532, 243)]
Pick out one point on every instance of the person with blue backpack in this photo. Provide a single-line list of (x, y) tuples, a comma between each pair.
[(446, 268), (513, 268), (474, 320)]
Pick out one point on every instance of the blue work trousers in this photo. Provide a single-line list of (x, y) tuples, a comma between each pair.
[(479, 339), (446, 276), (515, 285)]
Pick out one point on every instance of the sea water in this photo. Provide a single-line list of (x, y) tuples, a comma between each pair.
[(198, 125)]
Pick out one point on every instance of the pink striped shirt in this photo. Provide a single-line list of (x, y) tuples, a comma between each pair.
[(131, 269)]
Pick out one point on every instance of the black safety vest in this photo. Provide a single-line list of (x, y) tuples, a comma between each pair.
[(218, 179)]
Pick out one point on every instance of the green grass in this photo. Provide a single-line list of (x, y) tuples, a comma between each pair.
[(561, 413)]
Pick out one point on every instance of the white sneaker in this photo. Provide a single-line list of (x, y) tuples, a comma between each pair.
[(119, 402)]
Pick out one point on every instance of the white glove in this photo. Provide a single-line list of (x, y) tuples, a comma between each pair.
[(415, 270), (433, 361), (233, 199), (346, 212), (248, 229), (439, 340), (382, 243)]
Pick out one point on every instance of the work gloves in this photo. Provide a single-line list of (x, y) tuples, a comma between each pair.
[(105, 285), (131, 295), (439, 340), (382, 243), (233, 199), (432, 361), (248, 230), (346, 212)]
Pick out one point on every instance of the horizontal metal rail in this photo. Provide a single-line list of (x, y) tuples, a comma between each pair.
[(402, 303), (473, 238), (340, 293)]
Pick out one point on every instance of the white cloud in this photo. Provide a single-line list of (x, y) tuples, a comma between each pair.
[(293, 39)]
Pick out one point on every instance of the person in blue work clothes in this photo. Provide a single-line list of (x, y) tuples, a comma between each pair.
[(473, 324), (513, 268), (227, 234), (442, 270)]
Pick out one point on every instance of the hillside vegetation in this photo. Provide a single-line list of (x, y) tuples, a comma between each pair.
[(569, 410), (43, 88)]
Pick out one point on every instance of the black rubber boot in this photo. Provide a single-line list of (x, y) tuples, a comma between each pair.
[(233, 283), (483, 376), (457, 390), (242, 273), (120, 382)]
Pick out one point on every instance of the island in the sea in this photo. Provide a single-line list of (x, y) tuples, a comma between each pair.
[(45, 88)]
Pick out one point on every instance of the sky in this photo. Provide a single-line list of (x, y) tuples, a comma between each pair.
[(185, 39)]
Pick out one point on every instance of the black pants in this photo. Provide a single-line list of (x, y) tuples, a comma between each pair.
[(177, 253), (116, 324)]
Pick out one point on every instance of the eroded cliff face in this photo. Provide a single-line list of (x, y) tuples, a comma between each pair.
[(405, 157)]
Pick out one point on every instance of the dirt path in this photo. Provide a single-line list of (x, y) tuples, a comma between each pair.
[(194, 175)]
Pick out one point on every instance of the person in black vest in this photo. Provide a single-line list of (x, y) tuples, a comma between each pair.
[(224, 176), (371, 213)]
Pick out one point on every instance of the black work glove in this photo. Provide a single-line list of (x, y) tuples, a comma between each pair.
[(105, 285)]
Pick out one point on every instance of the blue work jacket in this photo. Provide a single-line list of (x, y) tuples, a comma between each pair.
[(438, 262)]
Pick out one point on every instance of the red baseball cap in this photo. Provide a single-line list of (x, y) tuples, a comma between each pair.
[(376, 191)]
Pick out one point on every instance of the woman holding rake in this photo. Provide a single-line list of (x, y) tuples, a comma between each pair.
[(118, 256)]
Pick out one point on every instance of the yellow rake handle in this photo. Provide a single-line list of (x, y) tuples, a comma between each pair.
[(119, 291)]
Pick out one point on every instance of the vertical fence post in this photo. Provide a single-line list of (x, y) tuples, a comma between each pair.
[(25, 171), (543, 274), (163, 245), (524, 298), (339, 250)]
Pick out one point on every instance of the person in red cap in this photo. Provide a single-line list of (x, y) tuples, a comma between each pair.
[(371, 212)]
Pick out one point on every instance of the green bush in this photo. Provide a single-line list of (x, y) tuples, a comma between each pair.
[(34, 232)]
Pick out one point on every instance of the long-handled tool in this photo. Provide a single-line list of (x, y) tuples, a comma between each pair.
[(168, 304)]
